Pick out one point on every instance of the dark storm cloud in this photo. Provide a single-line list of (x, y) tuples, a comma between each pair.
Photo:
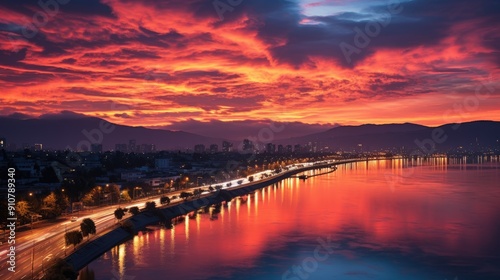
[(81, 7), (214, 75), (25, 78), (17, 35), (421, 23), (69, 61), (9, 57), (216, 102), (90, 92)]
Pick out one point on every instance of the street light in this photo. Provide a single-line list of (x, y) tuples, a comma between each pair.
[(134, 192), (98, 195), (36, 216), (120, 198), (65, 232), (65, 210), (32, 258)]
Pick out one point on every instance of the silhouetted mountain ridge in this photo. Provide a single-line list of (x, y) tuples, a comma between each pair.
[(407, 136), (61, 132), (72, 130)]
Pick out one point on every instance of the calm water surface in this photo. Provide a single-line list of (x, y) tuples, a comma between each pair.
[(391, 219)]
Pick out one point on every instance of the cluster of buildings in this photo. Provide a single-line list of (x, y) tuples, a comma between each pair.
[(214, 148), (133, 147), (248, 146), (39, 171), (11, 146)]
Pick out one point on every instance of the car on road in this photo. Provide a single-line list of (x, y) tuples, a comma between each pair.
[(74, 218)]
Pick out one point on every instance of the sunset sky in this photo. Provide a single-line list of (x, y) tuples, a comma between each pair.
[(161, 63)]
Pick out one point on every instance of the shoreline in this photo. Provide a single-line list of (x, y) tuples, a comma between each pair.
[(84, 255)]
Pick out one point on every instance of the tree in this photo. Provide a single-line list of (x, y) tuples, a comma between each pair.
[(197, 192), (88, 199), (62, 202), (185, 195), (73, 238), (150, 206), (119, 213), (250, 179), (23, 211), (88, 227), (50, 208), (114, 191), (125, 196), (34, 203), (93, 197), (134, 210), (165, 200), (59, 269)]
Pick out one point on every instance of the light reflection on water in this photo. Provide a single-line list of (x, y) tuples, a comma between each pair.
[(390, 219)]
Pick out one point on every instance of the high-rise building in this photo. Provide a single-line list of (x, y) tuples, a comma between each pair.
[(3, 143), (121, 148), (200, 148), (297, 148), (311, 147), (248, 146), (148, 148), (131, 146), (96, 148), (281, 149), (214, 148), (227, 146), (270, 148)]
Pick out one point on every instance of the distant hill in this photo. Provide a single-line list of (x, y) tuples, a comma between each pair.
[(68, 129), (72, 130), (371, 137)]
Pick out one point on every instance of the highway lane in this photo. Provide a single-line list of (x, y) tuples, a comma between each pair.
[(45, 244)]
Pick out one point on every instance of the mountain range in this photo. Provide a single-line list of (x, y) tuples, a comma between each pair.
[(76, 132), (474, 135)]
